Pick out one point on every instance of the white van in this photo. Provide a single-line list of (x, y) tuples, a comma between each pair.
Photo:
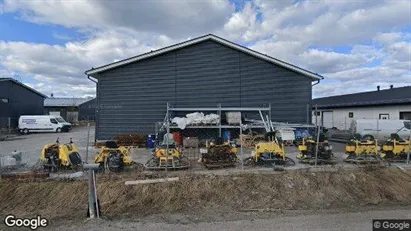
[(381, 129), (43, 123)]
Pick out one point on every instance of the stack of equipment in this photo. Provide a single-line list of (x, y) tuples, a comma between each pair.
[(219, 154)]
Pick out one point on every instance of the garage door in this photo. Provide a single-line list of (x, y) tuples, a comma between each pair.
[(54, 113), (405, 115), (328, 119)]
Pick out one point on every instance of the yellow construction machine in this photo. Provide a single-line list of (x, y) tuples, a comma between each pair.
[(362, 150), (114, 158), (167, 157), (218, 154), (307, 151), (396, 148), (55, 157), (269, 152)]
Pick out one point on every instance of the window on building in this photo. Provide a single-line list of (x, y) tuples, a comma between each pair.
[(4, 100), (318, 113), (350, 114), (405, 115), (384, 116)]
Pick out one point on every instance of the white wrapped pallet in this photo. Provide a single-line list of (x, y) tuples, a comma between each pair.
[(233, 117), (195, 118)]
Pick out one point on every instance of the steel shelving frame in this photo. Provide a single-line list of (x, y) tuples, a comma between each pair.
[(219, 109)]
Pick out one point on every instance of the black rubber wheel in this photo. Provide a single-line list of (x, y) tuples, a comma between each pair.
[(138, 167), (289, 161), (248, 161), (368, 137), (25, 131), (58, 130)]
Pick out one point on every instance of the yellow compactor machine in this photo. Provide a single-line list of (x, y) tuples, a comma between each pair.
[(395, 149), (55, 157), (167, 157), (307, 151), (269, 152), (115, 158), (362, 150)]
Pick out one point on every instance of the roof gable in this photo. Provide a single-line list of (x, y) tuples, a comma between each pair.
[(313, 76), (23, 85)]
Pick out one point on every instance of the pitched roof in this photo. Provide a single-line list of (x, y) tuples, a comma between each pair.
[(65, 102), (400, 95), (313, 76), (23, 85)]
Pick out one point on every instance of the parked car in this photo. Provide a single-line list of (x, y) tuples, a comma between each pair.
[(380, 129), (43, 123)]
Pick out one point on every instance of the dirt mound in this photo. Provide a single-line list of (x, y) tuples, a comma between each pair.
[(194, 193)]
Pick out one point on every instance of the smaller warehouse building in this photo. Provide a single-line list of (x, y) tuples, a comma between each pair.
[(87, 110), (340, 111), (18, 99), (69, 108)]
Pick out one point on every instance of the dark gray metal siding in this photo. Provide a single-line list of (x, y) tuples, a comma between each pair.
[(133, 97), (21, 102), (87, 110)]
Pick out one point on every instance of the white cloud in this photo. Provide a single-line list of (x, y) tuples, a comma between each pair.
[(335, 22), (354, 44), (171, 18), (243, 24), (63, 67)]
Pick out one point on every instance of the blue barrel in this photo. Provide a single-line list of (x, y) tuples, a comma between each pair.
[(151, 141), (227, 136)]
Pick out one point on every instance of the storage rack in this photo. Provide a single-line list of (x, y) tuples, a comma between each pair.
[(219, 109)]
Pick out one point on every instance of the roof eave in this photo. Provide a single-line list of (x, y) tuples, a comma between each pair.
[(25, 86)]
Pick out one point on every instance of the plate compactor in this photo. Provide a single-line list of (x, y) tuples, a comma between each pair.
[(167, 157), (114, 158), (308, 148), (218, 155), (396, 149), (270, 152), (55, 157), (362, 150)]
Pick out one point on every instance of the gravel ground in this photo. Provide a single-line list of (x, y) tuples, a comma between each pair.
[(294, 220)]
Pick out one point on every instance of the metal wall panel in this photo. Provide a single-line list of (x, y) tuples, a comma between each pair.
[(21, 101), (133, 97)]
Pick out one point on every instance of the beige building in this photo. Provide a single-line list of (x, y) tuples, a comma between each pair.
[(339, 111)]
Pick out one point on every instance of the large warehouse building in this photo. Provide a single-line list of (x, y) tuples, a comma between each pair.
[(132, 94)]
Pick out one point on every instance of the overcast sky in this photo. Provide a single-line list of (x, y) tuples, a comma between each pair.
[(356, 45)]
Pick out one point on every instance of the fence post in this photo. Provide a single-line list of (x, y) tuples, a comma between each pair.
[(345, 123), (409, 146), (378, 129), (241, 145), (9, 124), (316, 147), (88, 141), (92, 192)]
